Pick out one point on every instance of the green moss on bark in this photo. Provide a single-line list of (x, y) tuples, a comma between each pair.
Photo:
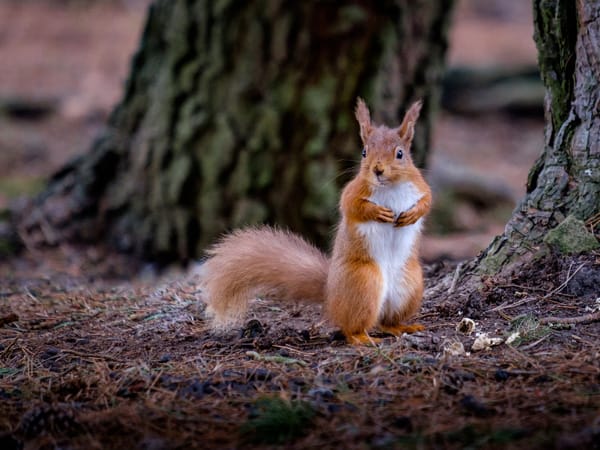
[(238, 113), (571, 237), (564, 181)]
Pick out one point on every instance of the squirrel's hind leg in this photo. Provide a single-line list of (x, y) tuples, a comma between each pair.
[(354, 300), (395, 322)]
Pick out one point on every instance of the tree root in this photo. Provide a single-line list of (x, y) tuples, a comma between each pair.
[(586, 318)]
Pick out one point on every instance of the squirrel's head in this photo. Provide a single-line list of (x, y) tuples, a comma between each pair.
[(386, 155)]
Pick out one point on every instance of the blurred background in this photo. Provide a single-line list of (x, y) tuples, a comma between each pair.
[(64, 64)]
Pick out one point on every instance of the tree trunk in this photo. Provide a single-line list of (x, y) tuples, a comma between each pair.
[(242, 112), (565, 180)]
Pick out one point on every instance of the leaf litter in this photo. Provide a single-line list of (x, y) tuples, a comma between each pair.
[(88, 361)]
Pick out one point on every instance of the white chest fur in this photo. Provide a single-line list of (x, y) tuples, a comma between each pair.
[(389, 246)]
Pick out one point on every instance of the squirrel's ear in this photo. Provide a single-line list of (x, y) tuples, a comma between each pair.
[(406, 130), (364, 118)]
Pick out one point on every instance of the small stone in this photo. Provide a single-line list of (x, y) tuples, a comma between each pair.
[(454, 348), (485, 342)]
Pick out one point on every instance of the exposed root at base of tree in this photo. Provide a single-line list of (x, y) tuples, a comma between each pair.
[(594, 317)]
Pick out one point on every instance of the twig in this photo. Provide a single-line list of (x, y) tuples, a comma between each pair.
[(9, 346), (294, 350), (584, 341), (531, 361), (9, 318), (506, 305), (455, 278), (31, 296), (387, 357), (506, 316), (539, 341), (87, 355), (156, 378), (593, 317), (276, 358), (519, 286), (592, 222), (433, 326), (562, 286), (530, 288)]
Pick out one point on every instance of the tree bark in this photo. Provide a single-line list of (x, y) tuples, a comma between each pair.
[(565, 180), (239, 113)]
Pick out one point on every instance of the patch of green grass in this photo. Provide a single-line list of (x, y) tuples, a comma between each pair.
[(276, 421), (468, 437), (529, 329), (471, 437), (8, 371), (66, 323)]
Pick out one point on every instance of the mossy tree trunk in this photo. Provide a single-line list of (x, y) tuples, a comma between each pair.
[(239, 113), (565, 180)]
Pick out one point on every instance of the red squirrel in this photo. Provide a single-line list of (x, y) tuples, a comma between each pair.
[(373, 278)]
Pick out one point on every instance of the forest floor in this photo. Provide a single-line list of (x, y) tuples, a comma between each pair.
[(97, 351), (89, 361)]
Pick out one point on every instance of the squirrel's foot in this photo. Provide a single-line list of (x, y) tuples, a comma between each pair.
[(361, 339), (398, 330)]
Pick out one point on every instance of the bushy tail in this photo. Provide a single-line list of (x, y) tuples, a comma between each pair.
[(262, 262)]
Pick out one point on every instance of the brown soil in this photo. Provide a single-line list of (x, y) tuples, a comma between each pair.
[(99, 352)]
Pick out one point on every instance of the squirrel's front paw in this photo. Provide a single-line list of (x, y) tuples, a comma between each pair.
[(407, 218), (384, 214)]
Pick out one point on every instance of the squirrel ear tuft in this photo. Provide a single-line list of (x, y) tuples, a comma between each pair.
[(364, 118), (406, 130)]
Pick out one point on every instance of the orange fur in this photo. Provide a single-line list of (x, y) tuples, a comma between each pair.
[(354, 285), (260, 262), (363, 285)]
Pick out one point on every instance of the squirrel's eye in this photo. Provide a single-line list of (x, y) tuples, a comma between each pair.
[(399, 153), (364, 152)]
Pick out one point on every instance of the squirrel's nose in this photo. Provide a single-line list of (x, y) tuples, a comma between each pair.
[(377, 171)]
